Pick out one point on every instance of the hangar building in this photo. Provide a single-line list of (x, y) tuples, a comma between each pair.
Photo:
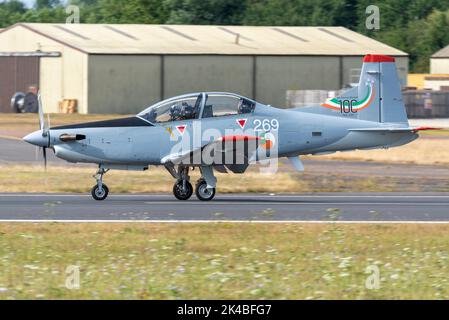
[(124, 68), (439, 61)]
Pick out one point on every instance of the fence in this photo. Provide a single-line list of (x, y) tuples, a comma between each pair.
[(427, 104), (419, 103)]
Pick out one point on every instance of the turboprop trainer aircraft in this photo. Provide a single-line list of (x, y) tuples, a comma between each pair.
[(216, 131)]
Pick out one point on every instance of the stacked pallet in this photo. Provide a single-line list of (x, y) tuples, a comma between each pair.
[(306, 98), (68, 106)]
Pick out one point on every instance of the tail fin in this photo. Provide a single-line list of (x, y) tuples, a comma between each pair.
[(378, 95)]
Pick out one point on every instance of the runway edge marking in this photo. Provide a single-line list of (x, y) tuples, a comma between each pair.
[(224, 221)]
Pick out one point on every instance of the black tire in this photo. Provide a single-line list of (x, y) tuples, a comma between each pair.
[(180, 193), (202, 193), (100, 196), (18, 102)]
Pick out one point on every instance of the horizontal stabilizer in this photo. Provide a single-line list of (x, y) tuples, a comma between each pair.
[(395, 130)]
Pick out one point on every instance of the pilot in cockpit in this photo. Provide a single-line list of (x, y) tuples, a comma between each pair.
[(182, 112), (245, 106)]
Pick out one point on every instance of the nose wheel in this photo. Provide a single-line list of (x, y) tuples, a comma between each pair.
[(204, 193), (100, 191), (183, 190), (100, 194)]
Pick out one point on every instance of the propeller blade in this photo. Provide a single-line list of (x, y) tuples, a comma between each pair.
[(44, 126), (44, 153), (41, 112)]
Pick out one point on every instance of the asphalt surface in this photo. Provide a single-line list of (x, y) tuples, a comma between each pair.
[(17, 151), (237, 207)]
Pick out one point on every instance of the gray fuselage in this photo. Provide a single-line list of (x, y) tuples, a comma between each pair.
[(298, 133)]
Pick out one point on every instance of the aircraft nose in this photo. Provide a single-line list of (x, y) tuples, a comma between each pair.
[(36, 138)]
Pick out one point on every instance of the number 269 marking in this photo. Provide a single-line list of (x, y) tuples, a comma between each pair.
[(266, 125)]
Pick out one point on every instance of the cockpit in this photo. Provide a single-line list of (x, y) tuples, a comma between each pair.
[(198, 106)]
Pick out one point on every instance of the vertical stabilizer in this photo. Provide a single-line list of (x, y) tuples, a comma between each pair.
[(378, 95)]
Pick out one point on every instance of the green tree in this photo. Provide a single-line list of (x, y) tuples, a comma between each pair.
[(301, 12), (41, 4), (83, 2), (13, 6), (205, 11), (11, 11), (45, 15), (419, 27), (119, 11), (438, 30)]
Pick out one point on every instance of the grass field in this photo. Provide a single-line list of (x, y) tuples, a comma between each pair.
[(33, 178), (79, 179), (430, 148), (224, 261)]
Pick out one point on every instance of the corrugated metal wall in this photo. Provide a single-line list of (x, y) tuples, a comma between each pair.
[(16, 74), (126, 84)]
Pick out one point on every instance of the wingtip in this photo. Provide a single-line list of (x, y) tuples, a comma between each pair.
[(426, 129)]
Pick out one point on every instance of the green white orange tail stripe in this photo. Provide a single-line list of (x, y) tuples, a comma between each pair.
[(335, 103)]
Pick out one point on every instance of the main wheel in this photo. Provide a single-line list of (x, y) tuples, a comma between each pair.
[(182, 193), (98, 194), (202, 192)]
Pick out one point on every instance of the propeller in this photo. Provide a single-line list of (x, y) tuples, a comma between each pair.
[(44, 126)]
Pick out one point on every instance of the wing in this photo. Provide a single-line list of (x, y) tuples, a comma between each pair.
[(235, 152)]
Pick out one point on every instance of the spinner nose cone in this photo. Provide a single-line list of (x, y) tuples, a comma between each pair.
[(36, 138)]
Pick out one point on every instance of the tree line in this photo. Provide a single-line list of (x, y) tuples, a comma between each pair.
[(418, 27)]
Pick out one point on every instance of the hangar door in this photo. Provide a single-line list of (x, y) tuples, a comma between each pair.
[(17, 74)]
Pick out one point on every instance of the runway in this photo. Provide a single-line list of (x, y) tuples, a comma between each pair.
[(351, 207)]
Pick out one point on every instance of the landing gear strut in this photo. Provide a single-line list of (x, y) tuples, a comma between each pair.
[(100, 191)]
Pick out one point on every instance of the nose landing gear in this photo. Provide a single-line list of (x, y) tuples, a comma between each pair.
[(100, 194), (100, 191)]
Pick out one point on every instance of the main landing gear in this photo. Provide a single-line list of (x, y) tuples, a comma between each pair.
[(183, 190), (100, 191), (202, 192)]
